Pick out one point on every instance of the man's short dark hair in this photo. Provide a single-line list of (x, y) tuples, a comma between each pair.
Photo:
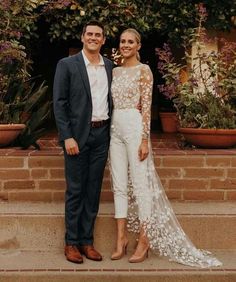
[(93, 23)]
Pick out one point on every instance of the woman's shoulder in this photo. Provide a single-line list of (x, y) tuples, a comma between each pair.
[(145, 67), (146, 72)]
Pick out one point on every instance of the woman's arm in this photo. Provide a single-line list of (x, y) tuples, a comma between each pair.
[(146, 84)]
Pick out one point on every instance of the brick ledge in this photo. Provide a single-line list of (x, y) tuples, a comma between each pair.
[(156, 151)]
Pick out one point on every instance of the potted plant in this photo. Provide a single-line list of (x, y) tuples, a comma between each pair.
[(20, 100), (203, 88), (169, 120)]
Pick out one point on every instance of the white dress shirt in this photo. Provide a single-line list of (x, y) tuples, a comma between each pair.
[(99, 88)]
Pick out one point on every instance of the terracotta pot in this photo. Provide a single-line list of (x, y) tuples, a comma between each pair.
[(169, 122), (9, 132), (209, 138)]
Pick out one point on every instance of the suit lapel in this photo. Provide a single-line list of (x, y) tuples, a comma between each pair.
[(109, 77), (84, 74), (108, 70)]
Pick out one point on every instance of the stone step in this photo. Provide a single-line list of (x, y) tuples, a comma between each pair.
[(40, 226), (23, 266)]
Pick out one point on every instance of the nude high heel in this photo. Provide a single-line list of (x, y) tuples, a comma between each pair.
[(139, 258), (142, 248), (119, 254)]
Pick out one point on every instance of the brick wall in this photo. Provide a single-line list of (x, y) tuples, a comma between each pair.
[(186, 175)]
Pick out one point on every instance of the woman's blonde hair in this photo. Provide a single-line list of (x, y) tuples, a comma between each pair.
[(137, 37)]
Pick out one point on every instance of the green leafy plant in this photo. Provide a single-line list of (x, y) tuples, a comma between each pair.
[(18, 95), (171, 18), (35, 112), (206, 96)]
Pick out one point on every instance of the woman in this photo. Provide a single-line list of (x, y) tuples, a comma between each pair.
[(141, 203)]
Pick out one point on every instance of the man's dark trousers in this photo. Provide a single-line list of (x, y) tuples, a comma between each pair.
[(84, 174)]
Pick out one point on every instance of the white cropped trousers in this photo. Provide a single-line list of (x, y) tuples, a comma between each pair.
[(126, 137)]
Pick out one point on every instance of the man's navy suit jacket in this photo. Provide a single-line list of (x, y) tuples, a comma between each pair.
[(72, 100)]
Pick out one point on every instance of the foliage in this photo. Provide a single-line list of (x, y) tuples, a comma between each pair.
[(35, 112), (206, 98), (67, 17), (172, 18), (16, 26), (177, 19), (17, 96)]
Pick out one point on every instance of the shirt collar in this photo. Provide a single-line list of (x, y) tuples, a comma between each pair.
[(87, 62)]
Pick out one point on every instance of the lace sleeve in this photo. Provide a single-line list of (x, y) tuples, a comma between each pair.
[(146, 84)]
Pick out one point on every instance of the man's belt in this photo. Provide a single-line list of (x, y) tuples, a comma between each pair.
[(99, 123)]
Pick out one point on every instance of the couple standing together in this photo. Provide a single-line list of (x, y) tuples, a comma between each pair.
[(98, 108)]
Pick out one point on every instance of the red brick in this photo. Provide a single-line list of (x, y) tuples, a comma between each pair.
[(188, 184), (31, 196), (203, 172), (106, 184), (231, 195), (46, 161), (174, 194), (223, 184), (169, 172), (39, 173), (107, 172), (14, 174), (233, 163), (10, 162), (183, 161), (57, 173), (20, 184), (106, 196), (3, 196), (203, 195), (58, 196), (231, 172), (165, 183), (218, 161), (52, 184), (157, 161)]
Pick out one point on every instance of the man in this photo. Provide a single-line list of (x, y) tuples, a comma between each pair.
[(82, 108)]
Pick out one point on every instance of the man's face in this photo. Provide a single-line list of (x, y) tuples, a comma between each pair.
[(93, 39)]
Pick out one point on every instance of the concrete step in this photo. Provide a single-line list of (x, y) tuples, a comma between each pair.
[(40, 226), (23, 266)]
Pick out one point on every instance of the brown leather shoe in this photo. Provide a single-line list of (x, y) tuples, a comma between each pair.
[(90, 252), (72, 254)]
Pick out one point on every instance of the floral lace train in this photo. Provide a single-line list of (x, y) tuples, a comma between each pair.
[(164, 232)]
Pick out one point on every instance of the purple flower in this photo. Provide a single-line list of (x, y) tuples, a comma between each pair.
[(202, 12), (5, 4)]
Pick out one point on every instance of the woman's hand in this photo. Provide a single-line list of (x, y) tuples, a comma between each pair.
[(143, 150), (71, 147)]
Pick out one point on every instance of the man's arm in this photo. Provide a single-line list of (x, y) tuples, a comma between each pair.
[(61, 90)]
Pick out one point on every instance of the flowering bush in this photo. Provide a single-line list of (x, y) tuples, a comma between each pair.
[(21, 101), (17, 24), (203, 86)]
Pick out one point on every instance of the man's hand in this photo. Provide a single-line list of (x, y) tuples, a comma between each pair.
[(71, 147)]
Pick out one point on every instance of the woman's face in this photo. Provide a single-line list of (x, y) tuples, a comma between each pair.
[(128, 45)]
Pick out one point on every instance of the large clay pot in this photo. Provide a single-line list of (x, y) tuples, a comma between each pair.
[(9, 132), (169, 122), (209, 138)]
